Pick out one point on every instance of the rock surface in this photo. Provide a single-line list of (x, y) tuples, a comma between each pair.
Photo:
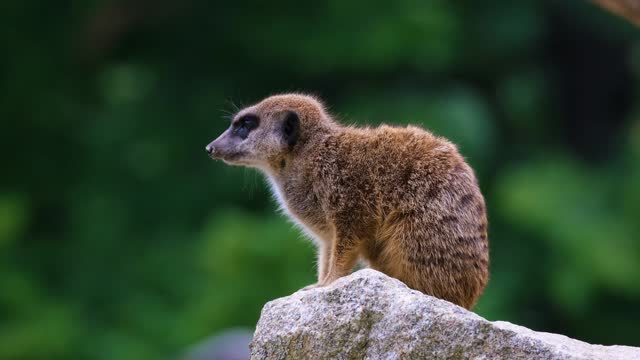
[(369, 315)]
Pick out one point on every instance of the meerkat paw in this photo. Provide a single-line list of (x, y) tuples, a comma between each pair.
[(322, 283), (309, 287), (319, 284)]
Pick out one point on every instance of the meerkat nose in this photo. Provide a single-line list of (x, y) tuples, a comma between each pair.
[(209, 148)]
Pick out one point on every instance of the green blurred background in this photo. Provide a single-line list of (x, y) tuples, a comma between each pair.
[(120, 239)]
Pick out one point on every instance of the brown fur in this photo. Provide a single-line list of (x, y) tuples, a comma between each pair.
[(402, 199)]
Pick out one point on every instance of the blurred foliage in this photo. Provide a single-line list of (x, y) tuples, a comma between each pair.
[(120, 239)]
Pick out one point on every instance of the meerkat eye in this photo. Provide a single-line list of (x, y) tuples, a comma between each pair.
[(244, 125)]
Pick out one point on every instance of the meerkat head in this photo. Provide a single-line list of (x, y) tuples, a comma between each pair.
[(265, 134)]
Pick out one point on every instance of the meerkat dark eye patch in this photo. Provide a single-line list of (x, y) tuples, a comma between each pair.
[(291, 128), (243, 126)]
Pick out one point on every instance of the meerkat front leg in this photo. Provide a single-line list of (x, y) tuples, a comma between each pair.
[(324, 255), (334, 261), (343, 257)]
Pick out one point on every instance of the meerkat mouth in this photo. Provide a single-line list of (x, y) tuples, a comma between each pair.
[(235, 158), (228, 156)]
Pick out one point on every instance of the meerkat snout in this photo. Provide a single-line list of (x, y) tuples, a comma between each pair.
[(401, 199)]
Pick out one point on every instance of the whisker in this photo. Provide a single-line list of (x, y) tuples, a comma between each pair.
[(248, 184), (226, 114), (233, 105)]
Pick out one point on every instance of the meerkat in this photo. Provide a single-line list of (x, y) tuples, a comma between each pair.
[(399, 198)]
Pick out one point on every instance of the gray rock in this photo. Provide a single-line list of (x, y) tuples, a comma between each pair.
[(368, 315)]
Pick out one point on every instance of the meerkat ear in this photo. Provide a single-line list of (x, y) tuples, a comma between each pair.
[(291, 128)]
